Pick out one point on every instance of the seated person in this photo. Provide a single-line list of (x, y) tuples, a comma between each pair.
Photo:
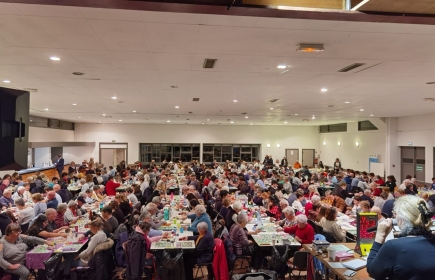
[(130, 196), (25, 213), (203, 253), (38, 229), (88, 197), (241, 244), (6, 200), (303, 232), (290, 218), (106, 213), (39, 204), (72, 214), (338, 202), (331, 226), (146, 217), (138, 249), (52, 226), (60, 220), (14, 249), (97, 193), (116, 212), (51, 200), (124, 204), (201, 216)]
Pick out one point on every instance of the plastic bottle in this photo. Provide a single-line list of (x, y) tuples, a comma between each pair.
[(166, 214), (259, 222), (101, 205)]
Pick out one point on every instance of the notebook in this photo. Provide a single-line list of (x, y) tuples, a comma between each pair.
[(356, 264)]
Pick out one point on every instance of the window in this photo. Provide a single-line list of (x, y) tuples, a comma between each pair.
[(366, 125), (168, 152), (231, 152), (338, 127)]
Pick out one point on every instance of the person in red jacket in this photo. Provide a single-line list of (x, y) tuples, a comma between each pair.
[(303, 232), (111, 186)]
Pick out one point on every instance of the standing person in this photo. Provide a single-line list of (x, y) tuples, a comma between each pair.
[(137, 251), (337, 165), (60, 165), (111, 186), (284, 162)]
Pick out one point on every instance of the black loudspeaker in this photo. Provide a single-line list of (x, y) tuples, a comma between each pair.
[(14, 128)]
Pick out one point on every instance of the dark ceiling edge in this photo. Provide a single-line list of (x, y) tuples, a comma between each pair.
[(297, 13)]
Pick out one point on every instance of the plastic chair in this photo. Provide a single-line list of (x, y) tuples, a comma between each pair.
[(299, 264)]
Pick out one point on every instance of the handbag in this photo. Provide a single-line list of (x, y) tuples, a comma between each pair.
[(169, 262)]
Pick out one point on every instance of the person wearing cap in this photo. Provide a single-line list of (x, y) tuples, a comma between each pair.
[(51, 200), (72, 214)]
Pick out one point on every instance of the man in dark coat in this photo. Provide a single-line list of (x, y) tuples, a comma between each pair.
[(59, 165)]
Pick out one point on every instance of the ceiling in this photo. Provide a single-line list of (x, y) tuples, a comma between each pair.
[(152, 62)]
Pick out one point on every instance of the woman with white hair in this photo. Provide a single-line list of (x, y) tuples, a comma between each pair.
[(19, 193), (203, 253), (312, 191), (233, 211), (290, 217), (83, 185), (201, 216), (303, 232), (408, 257), (241, 244)]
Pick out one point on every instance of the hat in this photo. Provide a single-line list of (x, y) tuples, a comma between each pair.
[(81, 199)]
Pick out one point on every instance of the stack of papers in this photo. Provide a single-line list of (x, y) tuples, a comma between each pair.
[(356, 264)]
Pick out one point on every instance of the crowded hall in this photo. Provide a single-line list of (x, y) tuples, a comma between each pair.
[(225, 140)]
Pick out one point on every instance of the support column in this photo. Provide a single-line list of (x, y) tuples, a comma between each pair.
[(392, 162)]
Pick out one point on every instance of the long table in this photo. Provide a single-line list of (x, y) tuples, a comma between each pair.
[(338, 272)]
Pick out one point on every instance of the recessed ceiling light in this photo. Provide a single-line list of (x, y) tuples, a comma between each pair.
[(177, 107), (285, 122), (55, 58), (231, 122), (251, 123), (134, 111), (104, 114), (347, 102), (46, 109), (99, 122), (246, 117), (271, 108), (74, 104), (113, 97), (268, 120), (313, 117), (361, 110), (371, 115), (6, 81), (80, 117), (202, 123), (296, 114), (168, 121), (299, 124), (208, 119), (31, 120), (119, 120), (235, 100), (324, 90), (281, 66)]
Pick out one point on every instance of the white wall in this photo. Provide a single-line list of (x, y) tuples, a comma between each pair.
[(77, 154), (40, 134), (351, 156), (420, 131), (42, 155), (287, 136)]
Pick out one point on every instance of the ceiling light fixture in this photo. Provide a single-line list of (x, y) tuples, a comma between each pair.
[(314, 117), (361, 110), (296, 114), (278, 145), (113, 97), (347, 102), (80, 117), (371, 115), (6, 81), (208, 119), (285, 122), (324, 143), (271, 108), (339, 143), (177, 107), (134, 111), (202, 123), (357, 143), (281, 66), (46, 109), (104, 114), (74, 104), (246, 117), (306, 47), (168, 121), (119, 120), (55, 58), (251, 123), (268, 145), (324, 90), (231, 122), (235, 101)]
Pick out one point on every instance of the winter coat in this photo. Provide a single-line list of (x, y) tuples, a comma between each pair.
[(101, 264), (136, 252), (220, 267), (204, 249)]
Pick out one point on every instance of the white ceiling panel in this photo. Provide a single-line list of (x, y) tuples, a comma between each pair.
[(135, 60), (121, 35), (165, 17), (69, 33), (142, 75), (110, 14), (48, 11), (222, 20), (43, 71), (177, 38), (174, 61), (17, 56), (94, 58), (20, 31)]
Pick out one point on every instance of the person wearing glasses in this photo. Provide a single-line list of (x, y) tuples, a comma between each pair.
[(410, 255), (13, 254)]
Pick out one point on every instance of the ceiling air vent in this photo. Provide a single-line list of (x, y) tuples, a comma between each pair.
[(195, 99), (272, 100), (209, 63), (351, 67)]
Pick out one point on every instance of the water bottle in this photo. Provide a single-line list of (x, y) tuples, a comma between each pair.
[(237, 195), (166, 214), (259, 218), (185, 201), (101, 205)]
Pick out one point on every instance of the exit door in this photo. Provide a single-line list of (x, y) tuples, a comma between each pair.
[(413, 162), (292, 156), (308, 157)]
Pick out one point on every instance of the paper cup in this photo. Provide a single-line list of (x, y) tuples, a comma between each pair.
[(331, 254)]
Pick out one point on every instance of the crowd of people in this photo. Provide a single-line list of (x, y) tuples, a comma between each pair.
[(291, 196)]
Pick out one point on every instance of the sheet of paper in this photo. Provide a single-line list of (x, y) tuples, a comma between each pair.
[(364, 258), (339, 248), (335, 265)]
